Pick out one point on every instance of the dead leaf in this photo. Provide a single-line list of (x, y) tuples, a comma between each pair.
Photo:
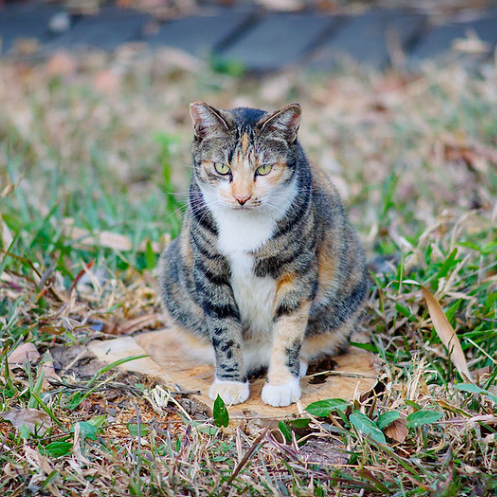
[(447, 334), (61, 64), (22, 353), (38, 422), (38, 462), (106, 239), (107, 81), (397, 430), (473, 160)]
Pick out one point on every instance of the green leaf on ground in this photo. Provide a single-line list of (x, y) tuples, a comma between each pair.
[(133, 429), (367, 426), (57, 449), (87, 430), (220, 413), (424, 417), (299, 423), (286, 430), (323, 408), (386, 418)]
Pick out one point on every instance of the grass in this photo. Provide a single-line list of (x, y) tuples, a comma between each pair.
[(102, 145)]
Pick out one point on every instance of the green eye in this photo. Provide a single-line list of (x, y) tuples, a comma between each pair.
[(221, 168), (263, 170)]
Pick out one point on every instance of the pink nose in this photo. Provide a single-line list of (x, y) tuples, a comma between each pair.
[(243, 200)]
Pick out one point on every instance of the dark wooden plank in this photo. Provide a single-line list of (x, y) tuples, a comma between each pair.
[(107, 30), (367, 38), (200, 35), (278, 40), (438, 43), (29, 20)]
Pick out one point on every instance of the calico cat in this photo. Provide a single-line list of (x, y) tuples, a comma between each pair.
[(266, 272)]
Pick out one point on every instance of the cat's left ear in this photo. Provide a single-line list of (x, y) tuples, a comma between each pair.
[(285, 121), (208, 120)]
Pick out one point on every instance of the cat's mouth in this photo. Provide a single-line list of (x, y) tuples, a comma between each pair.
[(245, 207)]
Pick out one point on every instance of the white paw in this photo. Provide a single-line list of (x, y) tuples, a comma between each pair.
[(303, 368), (281, 395), (232, 392)]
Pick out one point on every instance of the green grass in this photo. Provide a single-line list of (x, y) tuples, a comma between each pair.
[(415, 160)]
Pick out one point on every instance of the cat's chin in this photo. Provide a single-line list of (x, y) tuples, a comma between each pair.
[(244, 207)]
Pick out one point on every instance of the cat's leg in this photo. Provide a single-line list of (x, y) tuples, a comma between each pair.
[(231, 381), (283, 386), (223, 323)]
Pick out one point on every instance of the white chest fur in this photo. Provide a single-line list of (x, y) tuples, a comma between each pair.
[(241, 232)]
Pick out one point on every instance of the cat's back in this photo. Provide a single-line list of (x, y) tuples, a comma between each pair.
[(342, 277)]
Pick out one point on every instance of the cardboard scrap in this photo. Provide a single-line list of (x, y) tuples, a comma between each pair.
[(169, 362)]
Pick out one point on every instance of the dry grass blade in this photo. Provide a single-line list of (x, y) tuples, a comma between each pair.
[(447, 334), (246, 457)]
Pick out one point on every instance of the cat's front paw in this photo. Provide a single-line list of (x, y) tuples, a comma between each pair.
[(281, 395), (232, 392)]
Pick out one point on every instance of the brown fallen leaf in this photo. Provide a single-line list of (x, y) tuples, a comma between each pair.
[(107, 81), (447, 334), (61, 64), (22, 353), (397, 430), (107, 239), (38, 422)]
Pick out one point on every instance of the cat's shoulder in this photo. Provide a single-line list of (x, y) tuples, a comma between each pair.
[(322, 186)]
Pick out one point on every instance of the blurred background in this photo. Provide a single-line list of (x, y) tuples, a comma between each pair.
[(399, 107), (259, 35)]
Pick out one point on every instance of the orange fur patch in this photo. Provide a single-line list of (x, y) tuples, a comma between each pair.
[(327, 266), (245, 142), (242, 186), (186, 248), (285, 281), (326, 343), (274, 177)]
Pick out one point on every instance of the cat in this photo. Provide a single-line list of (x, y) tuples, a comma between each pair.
[(267, 272)]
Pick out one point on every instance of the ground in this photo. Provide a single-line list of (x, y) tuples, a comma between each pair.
[(94, 165)]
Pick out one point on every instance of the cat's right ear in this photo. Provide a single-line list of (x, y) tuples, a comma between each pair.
[(207, 120)]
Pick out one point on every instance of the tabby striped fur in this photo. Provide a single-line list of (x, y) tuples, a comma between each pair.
[(266, 272)]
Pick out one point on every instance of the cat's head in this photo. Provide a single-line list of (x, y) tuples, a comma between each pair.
[(245, 158)]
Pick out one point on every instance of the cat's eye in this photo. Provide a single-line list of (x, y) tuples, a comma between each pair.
[(221, 168), (263, 170)]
